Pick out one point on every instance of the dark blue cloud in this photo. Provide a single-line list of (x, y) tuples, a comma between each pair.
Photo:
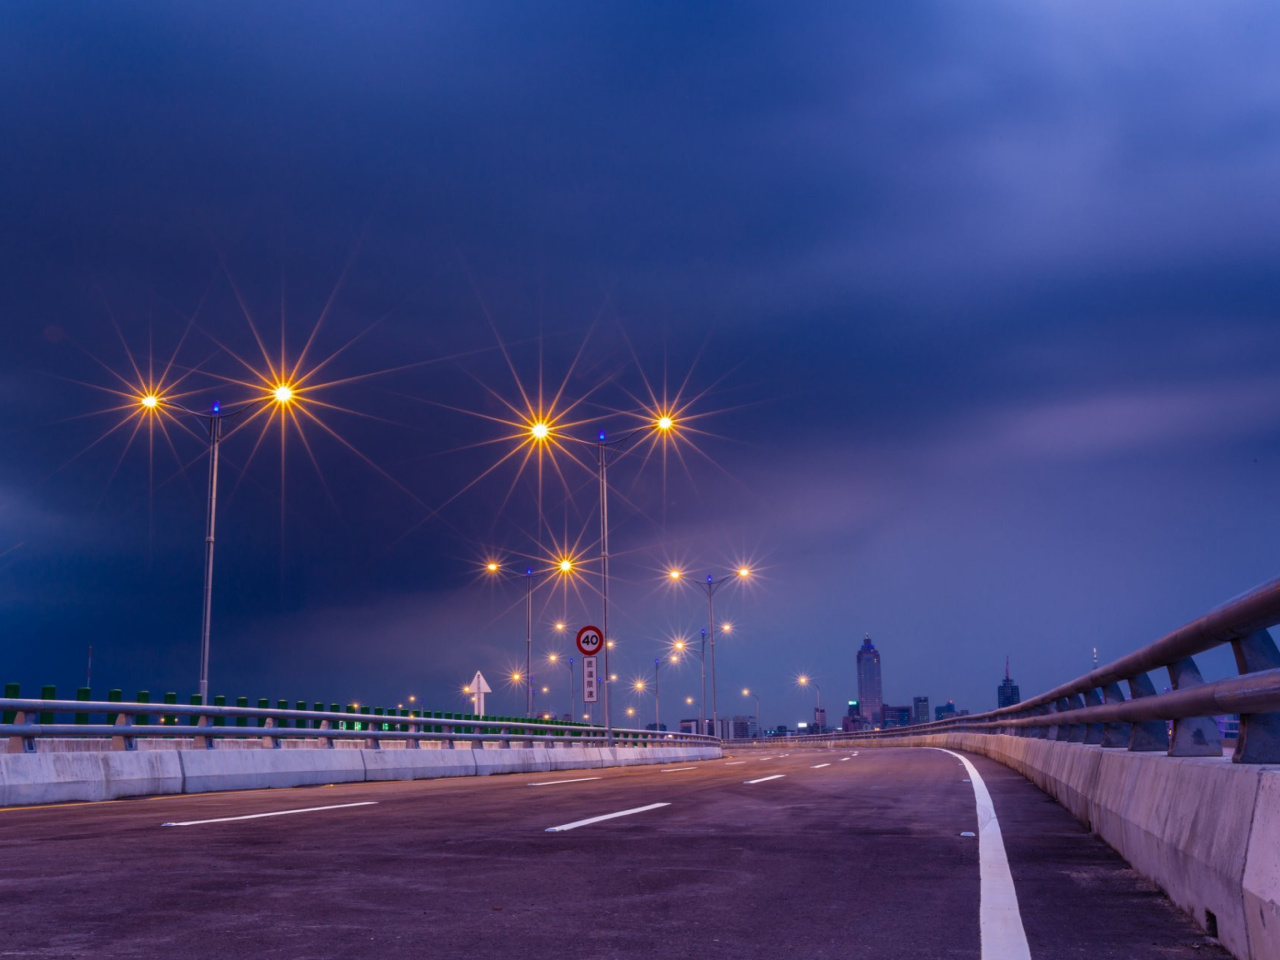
[(986, 298)]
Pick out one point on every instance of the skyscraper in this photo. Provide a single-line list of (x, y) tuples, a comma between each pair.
[(1007, 694), (920, 710), (869, 688)]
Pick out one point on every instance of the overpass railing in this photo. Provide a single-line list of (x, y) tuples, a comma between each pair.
[(28, 721), (1182, 721)]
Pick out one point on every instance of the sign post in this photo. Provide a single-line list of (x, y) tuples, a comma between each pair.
[(479, 687), (590, 642)]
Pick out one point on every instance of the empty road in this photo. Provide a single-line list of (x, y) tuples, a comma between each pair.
[(800, 854)]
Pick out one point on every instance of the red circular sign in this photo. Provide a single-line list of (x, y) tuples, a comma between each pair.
[(590, 641)]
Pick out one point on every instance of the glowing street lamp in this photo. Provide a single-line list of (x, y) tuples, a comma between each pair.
[(555, 658), (282, 394), (747, 693), (710, 586), (564, 566)]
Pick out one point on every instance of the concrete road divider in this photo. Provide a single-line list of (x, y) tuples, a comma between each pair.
[(206, 770), (418, 764), (35, 778), (27, 778)]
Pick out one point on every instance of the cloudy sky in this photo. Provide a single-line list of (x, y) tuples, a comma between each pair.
[(972, 315)]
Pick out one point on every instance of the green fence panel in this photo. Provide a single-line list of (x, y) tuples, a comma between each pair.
[(142, 719), (83, 693), (220, 701)]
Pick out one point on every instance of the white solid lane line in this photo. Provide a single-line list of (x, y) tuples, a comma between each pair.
[(675, 769), (277, 813), (607, 816), (547, 783), (999, 919), (819, 766), (776, 776), (843, 759)]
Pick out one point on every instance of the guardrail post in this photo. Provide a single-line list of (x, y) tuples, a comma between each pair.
[(1117, 733), (1045, 732), (1192, 736), (143, 719), (1259, 737), (1093, 732), (1075, 731), (19, 717), (446, 728), (270, 741), (414, 742), (263, 704), (124, 741), (170, 699), (1147, 735), (370, 743)]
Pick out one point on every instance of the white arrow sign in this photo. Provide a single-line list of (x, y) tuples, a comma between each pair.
[(479, 687)]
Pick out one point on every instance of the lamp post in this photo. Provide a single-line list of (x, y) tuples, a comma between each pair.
[(748, 693), (806, 681), (604, 449), (710, 586), (555, 658), (543, 431), (282, 394), (682, 646), (563, 566)]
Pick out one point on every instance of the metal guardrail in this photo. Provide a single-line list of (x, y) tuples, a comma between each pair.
[(1093, 708), (28, 721)]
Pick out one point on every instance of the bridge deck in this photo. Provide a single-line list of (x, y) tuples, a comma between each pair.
[(863, 857)]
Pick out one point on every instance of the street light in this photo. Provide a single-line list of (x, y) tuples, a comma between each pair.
[(710, 586), (748, 693), (806, 681), (682, 646), (564, 566), (555, 658), (281, 394)]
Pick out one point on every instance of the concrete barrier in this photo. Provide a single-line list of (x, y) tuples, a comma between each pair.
[(27, 778), (418, 764), (206, 770), (31, 778), (1262, 870)]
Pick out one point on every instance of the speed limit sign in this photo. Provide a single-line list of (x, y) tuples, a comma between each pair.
[(590, 641)]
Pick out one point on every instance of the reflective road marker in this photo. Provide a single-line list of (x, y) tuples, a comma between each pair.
[(277, 813), (776, 776), (999, 919), (607, 816)]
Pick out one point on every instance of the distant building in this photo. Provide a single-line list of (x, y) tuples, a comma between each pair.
[(1007, 694), (920, 710), (655, 727), (944, 712), (744, 728), (820, 719), (869, 684), (895, 716)]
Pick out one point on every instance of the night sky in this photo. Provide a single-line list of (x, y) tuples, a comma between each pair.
[(971, 311)]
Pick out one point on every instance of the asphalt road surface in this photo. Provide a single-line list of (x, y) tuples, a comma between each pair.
[(811, 854)]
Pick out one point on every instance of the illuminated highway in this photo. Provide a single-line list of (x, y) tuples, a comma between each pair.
[(807, 854)]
